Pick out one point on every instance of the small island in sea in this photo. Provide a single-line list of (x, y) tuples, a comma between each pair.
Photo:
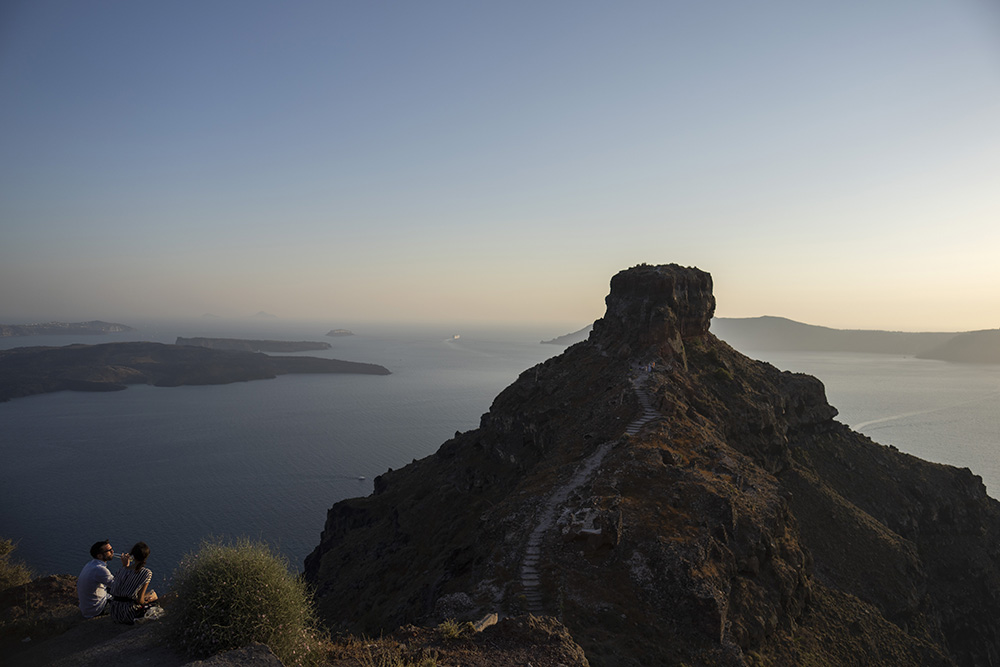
[(339, 332), (247, 345), (92, 328), (25, 371)]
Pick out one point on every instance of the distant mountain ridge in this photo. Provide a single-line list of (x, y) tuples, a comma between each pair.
[(973, 347), (91, 328), (780, 334), (250, 345)]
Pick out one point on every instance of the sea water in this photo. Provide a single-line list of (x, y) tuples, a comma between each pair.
[(937, 410), (263, 459), (266, 459)]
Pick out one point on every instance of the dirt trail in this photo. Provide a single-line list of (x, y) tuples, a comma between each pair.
[(530, 575)]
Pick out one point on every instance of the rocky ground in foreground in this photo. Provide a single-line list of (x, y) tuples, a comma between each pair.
[(42, 627)]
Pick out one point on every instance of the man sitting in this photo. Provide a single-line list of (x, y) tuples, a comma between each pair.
[(91, 585)]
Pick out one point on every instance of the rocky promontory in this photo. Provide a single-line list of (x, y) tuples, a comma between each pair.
[(248, 345), (673, 501), (112, 366), (92, 328)]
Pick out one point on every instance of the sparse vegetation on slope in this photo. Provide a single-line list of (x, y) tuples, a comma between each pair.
[(230, 595), (12, 572)]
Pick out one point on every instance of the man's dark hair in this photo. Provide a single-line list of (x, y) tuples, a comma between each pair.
[(98, 548)]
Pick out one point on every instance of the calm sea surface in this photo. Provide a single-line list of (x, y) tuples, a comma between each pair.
[(939, 411), (266, 459)]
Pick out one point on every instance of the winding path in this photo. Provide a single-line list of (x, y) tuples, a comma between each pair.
[(530, 577)]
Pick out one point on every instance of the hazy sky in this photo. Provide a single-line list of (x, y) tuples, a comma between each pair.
[(837, 163)]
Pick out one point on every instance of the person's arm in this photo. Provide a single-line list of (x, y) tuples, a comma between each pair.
[(143, 598), (102, 575)]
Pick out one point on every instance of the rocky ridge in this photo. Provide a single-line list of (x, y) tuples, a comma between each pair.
[(675, 502)]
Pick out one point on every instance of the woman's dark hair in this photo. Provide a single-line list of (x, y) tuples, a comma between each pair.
[(140, 552), (98, 548)]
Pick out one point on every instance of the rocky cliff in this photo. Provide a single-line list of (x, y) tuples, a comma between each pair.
[(675, 502)]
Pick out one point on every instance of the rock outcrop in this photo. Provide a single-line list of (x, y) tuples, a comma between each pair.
[(728, 519)]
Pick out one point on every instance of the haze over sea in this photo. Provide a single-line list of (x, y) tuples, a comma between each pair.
[(266, 459)]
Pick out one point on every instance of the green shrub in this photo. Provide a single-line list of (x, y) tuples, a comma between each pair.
[(452, 629), (12, 572), (229, 595)]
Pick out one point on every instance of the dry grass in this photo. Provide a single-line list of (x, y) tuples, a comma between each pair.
[(12, 572)]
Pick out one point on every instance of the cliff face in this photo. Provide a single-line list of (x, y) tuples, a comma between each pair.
[(673, 501)]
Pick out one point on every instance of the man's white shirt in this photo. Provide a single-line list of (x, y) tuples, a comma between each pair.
[(91, 587)]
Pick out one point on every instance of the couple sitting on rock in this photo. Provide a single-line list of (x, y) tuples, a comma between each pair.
[(125, 594)]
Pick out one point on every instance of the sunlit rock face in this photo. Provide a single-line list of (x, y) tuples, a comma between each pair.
[(675, 502)]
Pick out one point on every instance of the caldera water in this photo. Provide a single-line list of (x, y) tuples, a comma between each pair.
[(266, 459)]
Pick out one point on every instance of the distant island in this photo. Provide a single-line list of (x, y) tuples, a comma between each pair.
[(25, 371), (782, 334), (973, 347), (253, 345), (779, 334), (570, 338), (92, 328), (339, 332)]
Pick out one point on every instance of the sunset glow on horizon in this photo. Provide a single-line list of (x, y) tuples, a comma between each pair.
[(497, 163)]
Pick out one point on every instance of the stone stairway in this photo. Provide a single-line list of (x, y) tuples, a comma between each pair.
[(530, 576), (649, 413)]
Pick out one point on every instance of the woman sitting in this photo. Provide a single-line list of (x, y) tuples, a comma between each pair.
[(129, 595)]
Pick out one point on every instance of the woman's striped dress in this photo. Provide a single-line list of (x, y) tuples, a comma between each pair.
[(125, 594)]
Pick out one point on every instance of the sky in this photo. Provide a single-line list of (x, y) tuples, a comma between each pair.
[(836, 163)]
